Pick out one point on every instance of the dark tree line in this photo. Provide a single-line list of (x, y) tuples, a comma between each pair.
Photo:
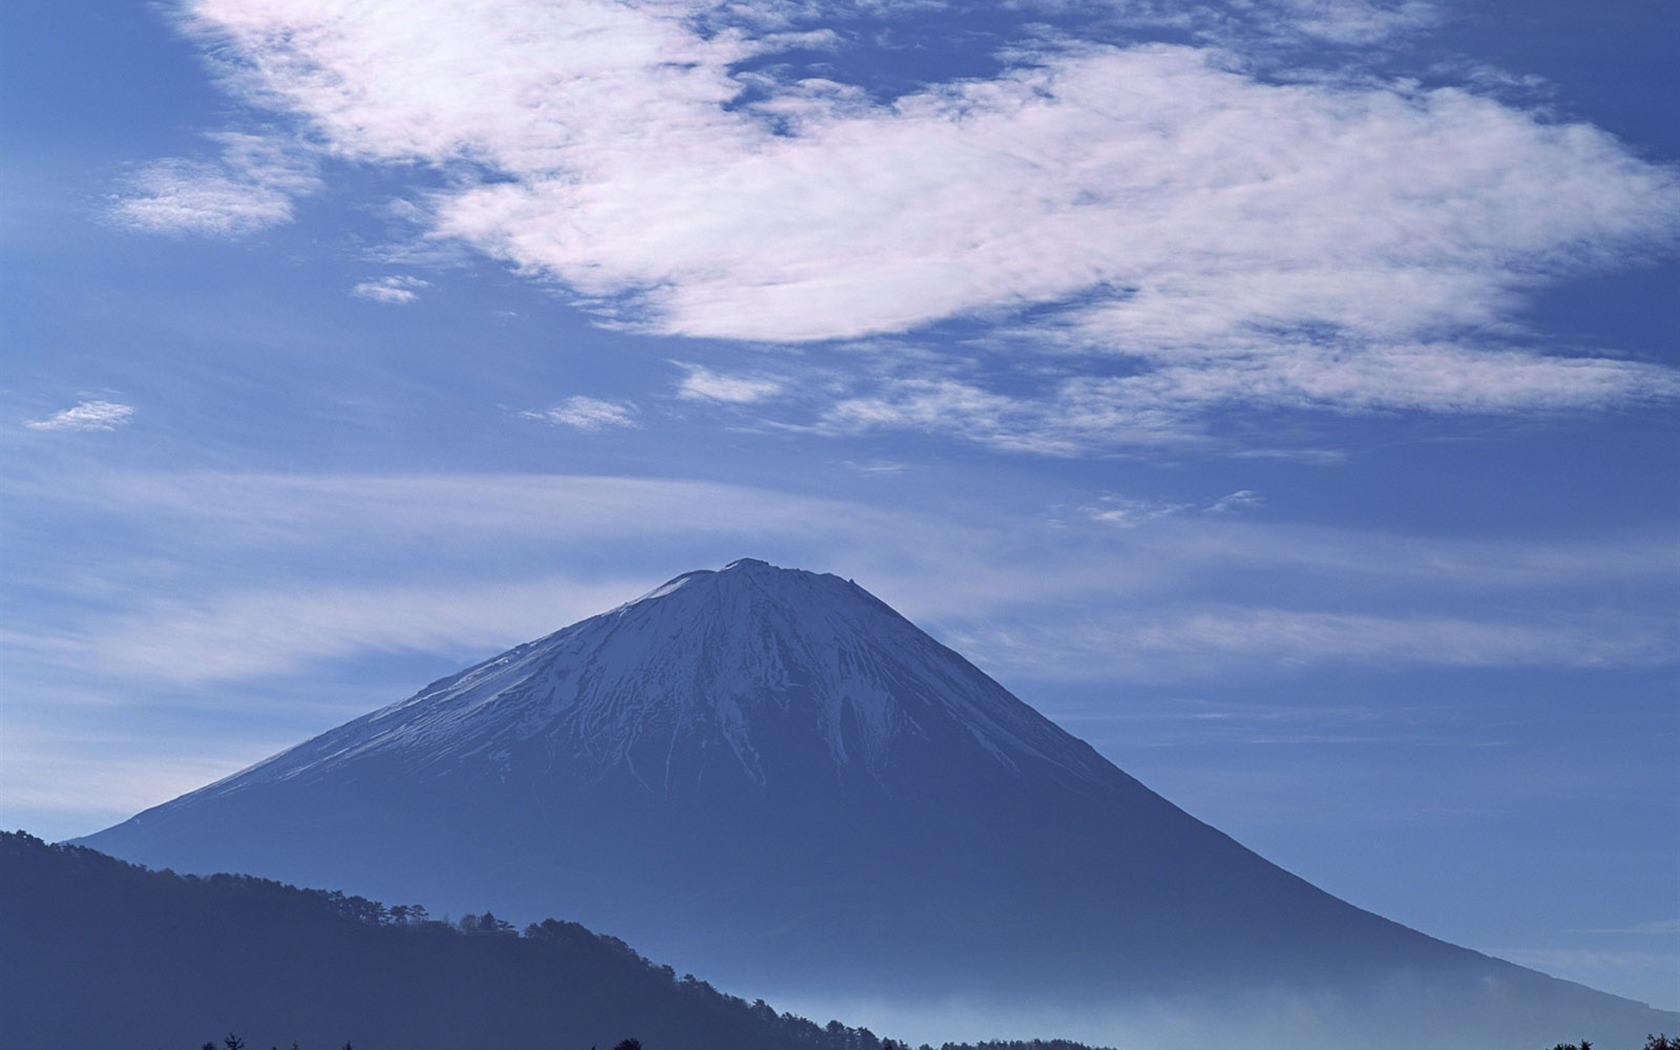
[(1652, 1042), (233, 1042)]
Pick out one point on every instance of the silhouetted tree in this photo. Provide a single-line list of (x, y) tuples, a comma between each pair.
[(486, 923), (629, 1044), (1662, 1042)]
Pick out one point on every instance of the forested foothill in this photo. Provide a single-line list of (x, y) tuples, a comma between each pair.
[(98, 952)]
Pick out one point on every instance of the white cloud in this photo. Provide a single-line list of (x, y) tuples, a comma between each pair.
[(432, 513), (1253, 23), (252, 185), (1235, 501), (394, 291), (1216, 237), (1286, 636), (588, 413), (1172, 404), (875, 467), (1128, 512), (1356, 22), (703, 384), (87, 415), (953, 406)]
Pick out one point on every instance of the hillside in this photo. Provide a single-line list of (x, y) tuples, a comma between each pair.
[(102, 953)]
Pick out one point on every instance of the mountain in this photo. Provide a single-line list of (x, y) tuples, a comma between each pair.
[(770, 777), (101, 953)]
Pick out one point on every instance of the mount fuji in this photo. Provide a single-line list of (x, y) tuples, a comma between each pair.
[(770, 777)]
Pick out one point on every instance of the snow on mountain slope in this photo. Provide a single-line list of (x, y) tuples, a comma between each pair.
[(708, 659)]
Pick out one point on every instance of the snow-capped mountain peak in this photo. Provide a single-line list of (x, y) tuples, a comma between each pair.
[(703, 677)]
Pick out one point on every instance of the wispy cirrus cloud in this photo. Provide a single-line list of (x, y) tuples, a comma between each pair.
[(253, 184), (245, 635), (587, 413), (397, 290), (704, 384), (86, 415), (1128, 512), (1179, 401), (1357, 21), (1344, 22), (1067, 597), (1235, 501), (1314, 637)]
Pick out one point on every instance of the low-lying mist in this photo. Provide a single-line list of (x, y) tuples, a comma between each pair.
[(1260, 1019)]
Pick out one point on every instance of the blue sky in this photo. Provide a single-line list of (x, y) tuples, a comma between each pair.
[(1280, 394)]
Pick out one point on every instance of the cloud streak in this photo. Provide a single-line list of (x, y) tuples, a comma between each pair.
[(1287, 25), (87, 415), (1187, 402), (393, 291), (1071, 597), (588, 414), (252, 185), (703, 384), (248, 635), (1210, 642)]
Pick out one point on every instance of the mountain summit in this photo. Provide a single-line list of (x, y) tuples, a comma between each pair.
[(770, 776), (752, 677)]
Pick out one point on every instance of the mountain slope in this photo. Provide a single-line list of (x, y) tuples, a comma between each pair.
[(768, 776)]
